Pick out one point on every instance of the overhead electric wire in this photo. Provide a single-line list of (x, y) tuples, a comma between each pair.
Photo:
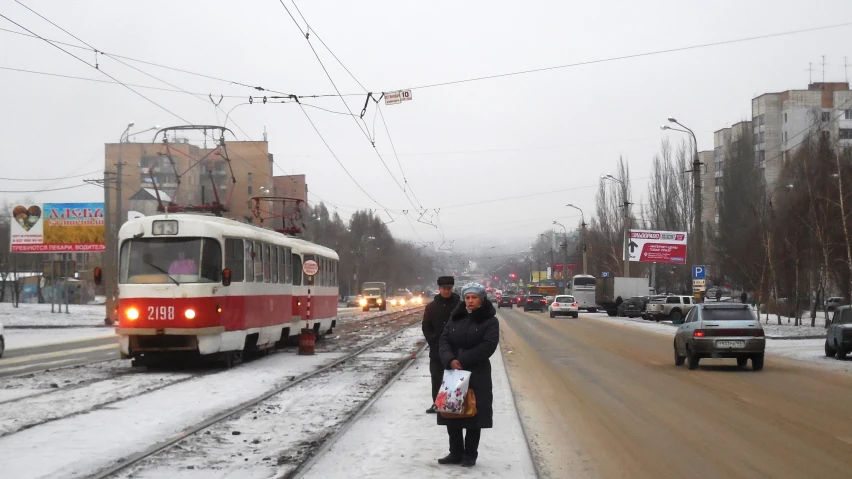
[(45, 190), (52, 179), (630, 56)]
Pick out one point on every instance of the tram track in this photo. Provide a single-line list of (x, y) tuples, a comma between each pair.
[(136, 464)]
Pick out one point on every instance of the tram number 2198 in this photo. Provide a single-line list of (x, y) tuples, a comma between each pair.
[(161, 313)]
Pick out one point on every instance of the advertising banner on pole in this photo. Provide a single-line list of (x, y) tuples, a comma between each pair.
[(58, 228), (647, 246)]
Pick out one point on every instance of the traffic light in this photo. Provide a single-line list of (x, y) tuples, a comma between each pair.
[(495, 278), (512, 275)]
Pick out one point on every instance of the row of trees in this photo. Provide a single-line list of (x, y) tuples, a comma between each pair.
[(368, 251)]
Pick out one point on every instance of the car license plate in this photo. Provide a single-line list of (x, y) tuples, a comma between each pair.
[(730, 344)]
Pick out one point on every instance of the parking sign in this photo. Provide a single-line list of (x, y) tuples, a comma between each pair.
[(699, 272)]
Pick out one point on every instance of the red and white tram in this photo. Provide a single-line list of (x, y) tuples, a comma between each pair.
[(216, 287)]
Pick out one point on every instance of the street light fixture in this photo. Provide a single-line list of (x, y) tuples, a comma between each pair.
[(626, 206), (697, 229), (583, 228)]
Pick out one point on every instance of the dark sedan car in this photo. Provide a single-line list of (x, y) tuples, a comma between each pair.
[(535, 302), (504, 302)]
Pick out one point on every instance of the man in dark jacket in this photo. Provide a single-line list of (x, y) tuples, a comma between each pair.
[(435, 318)]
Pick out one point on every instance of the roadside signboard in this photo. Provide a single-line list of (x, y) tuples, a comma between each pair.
[(699, 272), (395, 97), (57, 228), (657, 246), (310, 267)]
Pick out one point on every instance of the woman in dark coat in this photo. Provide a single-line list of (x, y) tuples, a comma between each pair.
[(468, 340)]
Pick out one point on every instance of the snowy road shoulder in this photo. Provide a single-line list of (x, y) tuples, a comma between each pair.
[(39, 316), (27, 338), (395, 438)]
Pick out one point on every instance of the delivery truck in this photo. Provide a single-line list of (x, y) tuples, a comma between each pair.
[(609, 289)]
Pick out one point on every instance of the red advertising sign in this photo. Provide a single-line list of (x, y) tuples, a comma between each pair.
[(657, 246)]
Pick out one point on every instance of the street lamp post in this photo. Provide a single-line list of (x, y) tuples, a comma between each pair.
[(626, 205), (363, 246), (565, 260), (583, 231), (697, 228)]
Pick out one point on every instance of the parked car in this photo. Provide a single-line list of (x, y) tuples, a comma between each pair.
[(564, 306), (720, 330), (672, 308), (644, 305), (535, 302), (505, 302), (838, 336), (633, 307), (2, 341), (833, 303)]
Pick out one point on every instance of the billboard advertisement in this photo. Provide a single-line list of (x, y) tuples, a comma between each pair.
[(647, 246), (58, 228)]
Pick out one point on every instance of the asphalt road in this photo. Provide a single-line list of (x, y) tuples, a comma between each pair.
[(604, 400), (71, 353)]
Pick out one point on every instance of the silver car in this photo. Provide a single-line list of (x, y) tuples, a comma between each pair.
[(564, 306), (720, 330)]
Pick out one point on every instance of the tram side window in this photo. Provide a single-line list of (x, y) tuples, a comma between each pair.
[(211, 260), (286, 261), (282, 264), (334, 273), (234, 258), (266, 264), (322, 271), (296, 269), (274, 263), (249, 259), (258, 262)]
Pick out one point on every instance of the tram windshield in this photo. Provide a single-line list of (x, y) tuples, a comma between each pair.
[(171, 260)]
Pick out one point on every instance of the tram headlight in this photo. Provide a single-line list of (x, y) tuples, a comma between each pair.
[(189, 313), (132, 314)]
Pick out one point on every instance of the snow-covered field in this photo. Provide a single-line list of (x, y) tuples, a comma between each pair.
[(39, 316), (91, 416), (25, 338), (394, 438), (272, 438)]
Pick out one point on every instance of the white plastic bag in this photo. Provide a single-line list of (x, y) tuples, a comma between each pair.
[(453, 390)]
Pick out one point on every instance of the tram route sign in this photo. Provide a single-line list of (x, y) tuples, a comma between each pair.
[(310, 267), (396, 97)]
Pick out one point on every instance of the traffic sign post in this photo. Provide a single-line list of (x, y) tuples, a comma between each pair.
[(310, 268), (699, 272)]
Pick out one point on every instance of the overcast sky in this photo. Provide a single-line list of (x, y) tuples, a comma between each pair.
[(517, 136)]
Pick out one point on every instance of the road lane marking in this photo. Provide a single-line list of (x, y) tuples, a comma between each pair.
[(56, 354)]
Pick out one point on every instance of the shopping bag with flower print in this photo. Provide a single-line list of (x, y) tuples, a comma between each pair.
[(453, 391)]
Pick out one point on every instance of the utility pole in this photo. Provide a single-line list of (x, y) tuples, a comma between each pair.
[(697, 229), (626, 206), (583, 233)]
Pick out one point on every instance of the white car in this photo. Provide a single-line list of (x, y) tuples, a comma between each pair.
[(2, 341), (563, 306)]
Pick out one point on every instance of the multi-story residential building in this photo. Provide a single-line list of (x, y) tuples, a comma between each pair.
[(781, 122)]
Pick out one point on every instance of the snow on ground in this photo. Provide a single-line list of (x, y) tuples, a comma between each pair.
[(25, 338), (65, 402), (395, 438), (272, 438), (85, 443), (772, 330), (809, 350), (39, 316), (51, 380)]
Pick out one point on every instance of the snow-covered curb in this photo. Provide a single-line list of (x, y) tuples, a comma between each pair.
[(772, 330), (28, 338)]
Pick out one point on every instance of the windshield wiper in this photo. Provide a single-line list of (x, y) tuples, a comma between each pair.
[(162, 271)]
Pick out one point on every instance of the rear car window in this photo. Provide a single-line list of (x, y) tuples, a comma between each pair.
[(564, 299), (533, 296), (711, 314)]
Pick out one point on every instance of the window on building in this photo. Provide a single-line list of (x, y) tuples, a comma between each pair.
[(249, 176), (754, 139), (846, 133), (760, 120), (249, 189), (785, 118), (761, 158), (825, 134), (848, 114), (760, 137), (826, 116)]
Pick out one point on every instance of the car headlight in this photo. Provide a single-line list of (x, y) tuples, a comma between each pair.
[(379, 301), (402, 302), (363, 302)]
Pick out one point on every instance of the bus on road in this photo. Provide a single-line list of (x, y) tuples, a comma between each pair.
[(582, 288)]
